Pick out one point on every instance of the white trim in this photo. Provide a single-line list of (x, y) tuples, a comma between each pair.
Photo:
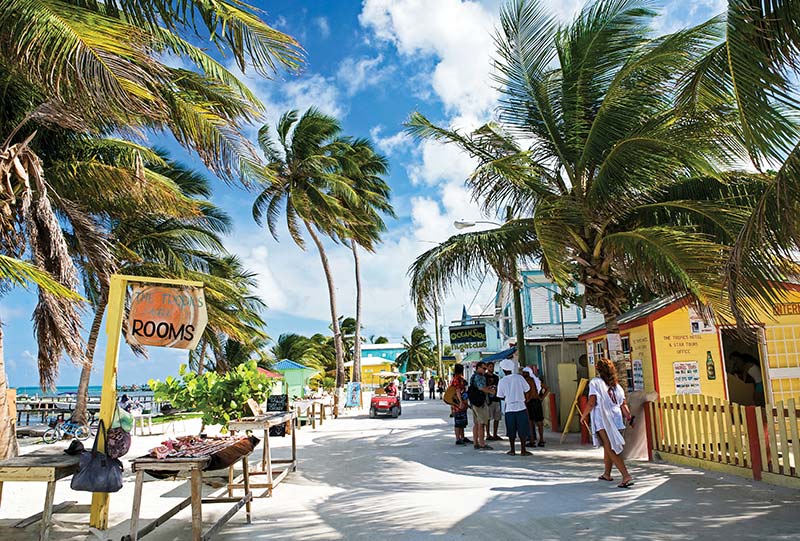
[(784, 373)]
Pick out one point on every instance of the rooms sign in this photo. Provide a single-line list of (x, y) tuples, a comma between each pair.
[(170, 317)]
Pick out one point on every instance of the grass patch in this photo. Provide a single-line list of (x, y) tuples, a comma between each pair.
[(161, 419)]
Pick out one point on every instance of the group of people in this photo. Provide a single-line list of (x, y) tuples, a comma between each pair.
[(522, 392), (435, 385)]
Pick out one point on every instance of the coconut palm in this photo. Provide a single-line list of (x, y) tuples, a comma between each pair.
[(365, 167), (419, 353), (302, 179), (615, 185), (753, 67), (312, 352)]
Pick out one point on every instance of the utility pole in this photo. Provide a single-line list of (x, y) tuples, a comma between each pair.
[(439, 361)]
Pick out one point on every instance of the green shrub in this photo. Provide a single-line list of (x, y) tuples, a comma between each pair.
[(219, 397)]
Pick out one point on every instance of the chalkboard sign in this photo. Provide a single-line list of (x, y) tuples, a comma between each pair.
[(278, 402)]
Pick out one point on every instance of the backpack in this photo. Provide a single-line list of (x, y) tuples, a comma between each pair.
[(451, 395), (476, 397)]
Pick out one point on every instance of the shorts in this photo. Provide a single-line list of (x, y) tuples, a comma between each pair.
[(535, 411), (460, 419), (495, 412), (517, 424), (480, 414)]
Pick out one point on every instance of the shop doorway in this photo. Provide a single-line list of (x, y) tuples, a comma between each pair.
[(744, 366)]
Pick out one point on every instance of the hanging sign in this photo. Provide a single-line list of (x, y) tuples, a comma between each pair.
[(170, 317), (467, 338)]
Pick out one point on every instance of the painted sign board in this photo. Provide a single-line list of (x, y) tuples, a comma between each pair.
[(468, 338), (171, 317), (638, 375), (698, 325)]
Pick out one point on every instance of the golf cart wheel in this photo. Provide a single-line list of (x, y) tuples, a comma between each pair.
[(395, 412), (372, 413)]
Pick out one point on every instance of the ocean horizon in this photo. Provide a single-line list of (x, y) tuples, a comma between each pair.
[(31, 390)]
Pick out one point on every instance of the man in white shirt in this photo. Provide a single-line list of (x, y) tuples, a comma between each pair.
[(512, 389)]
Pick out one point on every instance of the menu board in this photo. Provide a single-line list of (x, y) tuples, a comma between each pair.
[(278, 402), (638, 375), (687, 377)]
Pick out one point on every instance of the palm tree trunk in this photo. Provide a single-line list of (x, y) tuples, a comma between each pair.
[(82, 400), (8, 435), (337, 333), (201, 364), (357, 339)]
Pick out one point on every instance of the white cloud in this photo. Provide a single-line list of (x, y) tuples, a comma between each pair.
[(457, 33), (358, 74), (391, 143), (323, 26)]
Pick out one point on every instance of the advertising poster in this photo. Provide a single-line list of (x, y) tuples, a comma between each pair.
[(687, 377), (353, 395), (697, 324), (638, 375)]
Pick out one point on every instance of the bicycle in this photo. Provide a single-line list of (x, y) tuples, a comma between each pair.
[(66, 428)]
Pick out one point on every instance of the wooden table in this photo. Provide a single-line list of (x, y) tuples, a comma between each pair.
[(140, 419), (310, 406), (46, 467), (193, 469), (274, 477)]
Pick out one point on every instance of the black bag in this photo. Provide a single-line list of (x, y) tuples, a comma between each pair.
[(98, 472), (477, 397)]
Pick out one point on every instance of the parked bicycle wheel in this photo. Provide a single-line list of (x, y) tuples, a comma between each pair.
[(82, 432), (51, 435)]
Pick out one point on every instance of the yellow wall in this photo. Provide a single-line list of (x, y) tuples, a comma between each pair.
[(368, 376), (675, 343), (782, 333)]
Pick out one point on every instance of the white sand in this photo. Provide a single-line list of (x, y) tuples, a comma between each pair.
[(403, 478)]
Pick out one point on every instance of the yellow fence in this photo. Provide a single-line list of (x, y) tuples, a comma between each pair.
[(709, 432)]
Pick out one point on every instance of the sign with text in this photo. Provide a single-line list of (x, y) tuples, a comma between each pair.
[(687, 377), (467, 338), (170, 317)]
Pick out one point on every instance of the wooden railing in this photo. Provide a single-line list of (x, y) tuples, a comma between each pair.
[(751, 441)]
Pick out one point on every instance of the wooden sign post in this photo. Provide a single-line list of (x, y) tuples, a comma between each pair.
[(160, 316)]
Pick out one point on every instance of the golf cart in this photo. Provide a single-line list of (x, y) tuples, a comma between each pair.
[(412, 388), (382, 402)]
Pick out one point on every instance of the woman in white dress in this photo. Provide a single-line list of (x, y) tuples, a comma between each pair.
[(607, 406)]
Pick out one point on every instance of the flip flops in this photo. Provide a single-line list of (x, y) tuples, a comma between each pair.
[(626, 484), (604, 478)]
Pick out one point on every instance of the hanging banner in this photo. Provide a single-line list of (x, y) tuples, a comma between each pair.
[(468, 338), (170, 317)]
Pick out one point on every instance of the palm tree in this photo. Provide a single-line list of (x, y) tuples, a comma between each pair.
[(20, 273), (312, 352), (365, 168), (753, 68), (619, 186), (378, 340), (302, 177), (418, 354)]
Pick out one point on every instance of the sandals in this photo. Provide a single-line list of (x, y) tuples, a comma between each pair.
[(540, 444), (526, 453), (626, 484), (604, 478)]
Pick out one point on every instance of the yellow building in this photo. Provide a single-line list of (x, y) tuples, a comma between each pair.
[(673, 351), (370, 367)]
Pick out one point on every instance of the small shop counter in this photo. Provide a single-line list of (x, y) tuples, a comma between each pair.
[(265, 422), (190, 467), (46, 467)]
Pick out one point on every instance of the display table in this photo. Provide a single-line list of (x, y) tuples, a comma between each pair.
[(47, 467), (191, 467), (312, 408), (264, 422)]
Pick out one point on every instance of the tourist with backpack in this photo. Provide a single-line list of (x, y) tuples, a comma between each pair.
[(456, 397), (479, 392)]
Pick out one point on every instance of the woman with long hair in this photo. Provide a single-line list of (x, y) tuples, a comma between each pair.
[(607, 406)]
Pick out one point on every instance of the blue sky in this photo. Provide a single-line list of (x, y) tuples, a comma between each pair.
[(371, 64)]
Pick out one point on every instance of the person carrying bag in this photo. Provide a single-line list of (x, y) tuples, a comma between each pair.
[(97, 471)]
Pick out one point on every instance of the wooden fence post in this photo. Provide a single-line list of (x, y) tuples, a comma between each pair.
[(754, 438), (648, 428)]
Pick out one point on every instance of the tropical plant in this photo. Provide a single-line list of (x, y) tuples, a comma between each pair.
[(619, 185), (302, 177), (378, 340), (219, 397), (419, 353), (315, 352), (365, 168)]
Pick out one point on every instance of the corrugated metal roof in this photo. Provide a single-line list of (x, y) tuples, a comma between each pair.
[(288, 364)]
